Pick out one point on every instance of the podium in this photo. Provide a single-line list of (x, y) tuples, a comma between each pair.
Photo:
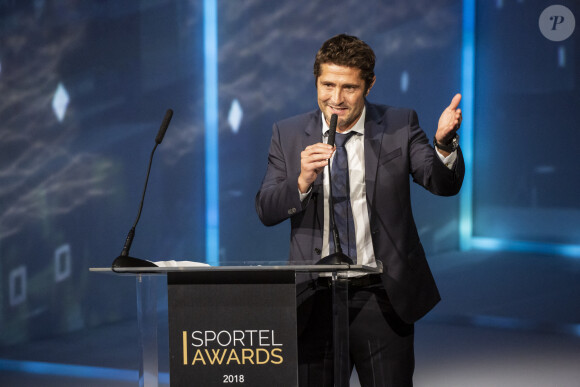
[(235, 324)]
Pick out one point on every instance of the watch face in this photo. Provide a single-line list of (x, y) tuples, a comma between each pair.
[(451, 147)]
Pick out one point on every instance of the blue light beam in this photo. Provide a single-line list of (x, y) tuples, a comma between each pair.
[(210, 40)]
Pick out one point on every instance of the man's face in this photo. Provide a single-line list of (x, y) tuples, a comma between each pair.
[(341, 91)]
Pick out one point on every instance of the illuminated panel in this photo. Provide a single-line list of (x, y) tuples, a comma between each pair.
[(17, 285), (467, 107), (466, 238), (62, 263), (211, 132), (496, 244), (74, 371)]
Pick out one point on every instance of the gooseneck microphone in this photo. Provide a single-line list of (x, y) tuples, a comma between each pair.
[(337, 257), (124, 260), (163, 128)]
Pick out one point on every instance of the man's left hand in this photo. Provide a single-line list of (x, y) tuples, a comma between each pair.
[(449, 122)]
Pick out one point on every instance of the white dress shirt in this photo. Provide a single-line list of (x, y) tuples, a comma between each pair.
[(358, 197)]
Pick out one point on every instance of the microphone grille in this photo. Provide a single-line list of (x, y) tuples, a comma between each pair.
[(164, 126)]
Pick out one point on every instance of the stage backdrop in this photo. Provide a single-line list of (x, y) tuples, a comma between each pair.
[(84, 86)]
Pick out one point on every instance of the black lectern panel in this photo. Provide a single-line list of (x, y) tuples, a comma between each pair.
[(232, 328)]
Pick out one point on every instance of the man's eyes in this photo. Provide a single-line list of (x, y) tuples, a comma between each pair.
[(347, 87)]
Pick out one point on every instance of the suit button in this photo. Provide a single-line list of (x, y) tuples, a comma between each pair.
[(291, 211), (317, 251)]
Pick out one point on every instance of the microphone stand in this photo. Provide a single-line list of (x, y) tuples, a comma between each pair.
[(124, 260), (338, 257)]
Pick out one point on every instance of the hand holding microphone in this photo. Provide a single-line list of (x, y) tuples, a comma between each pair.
[(315, 157)]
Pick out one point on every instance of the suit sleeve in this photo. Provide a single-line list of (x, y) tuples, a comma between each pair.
[(427, 168), (278, 197)]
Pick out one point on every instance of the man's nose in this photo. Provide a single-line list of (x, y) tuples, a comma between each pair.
[(337, 96)]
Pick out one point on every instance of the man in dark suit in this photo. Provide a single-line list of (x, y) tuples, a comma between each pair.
[(384, 145)]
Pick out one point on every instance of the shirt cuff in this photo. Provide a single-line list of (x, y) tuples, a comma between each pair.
[(449, 161), (304, 195)]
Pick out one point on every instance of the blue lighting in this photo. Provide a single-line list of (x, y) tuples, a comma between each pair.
[(212, 241), (495, 244), (74, 371), (467, 107), (467, 240), (505, 323)]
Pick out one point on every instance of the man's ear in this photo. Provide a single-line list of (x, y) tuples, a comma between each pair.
[(371, 86)]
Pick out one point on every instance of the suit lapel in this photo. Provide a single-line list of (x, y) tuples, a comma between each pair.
[(313, 130), (373, 139)]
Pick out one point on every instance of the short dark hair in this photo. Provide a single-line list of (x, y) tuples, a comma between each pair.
[(350, 51)]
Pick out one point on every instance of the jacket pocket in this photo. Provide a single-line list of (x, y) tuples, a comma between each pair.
[(390, 156)]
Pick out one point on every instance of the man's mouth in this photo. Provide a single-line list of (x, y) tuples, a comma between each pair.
[(337, 110)]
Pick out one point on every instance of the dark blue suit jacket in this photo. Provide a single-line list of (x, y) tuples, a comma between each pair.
[(395, 147)]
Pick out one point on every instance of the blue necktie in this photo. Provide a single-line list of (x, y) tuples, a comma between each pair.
[(341, 196)]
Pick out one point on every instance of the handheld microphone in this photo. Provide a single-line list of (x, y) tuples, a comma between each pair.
[(124, 260), (338, 257), (332, 129)]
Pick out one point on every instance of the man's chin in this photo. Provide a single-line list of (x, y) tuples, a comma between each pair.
[(343, 123)]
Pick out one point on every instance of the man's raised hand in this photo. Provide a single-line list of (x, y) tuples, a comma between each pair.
[(449, 122)]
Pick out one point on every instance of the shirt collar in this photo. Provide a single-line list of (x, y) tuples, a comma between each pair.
[(359, 126)]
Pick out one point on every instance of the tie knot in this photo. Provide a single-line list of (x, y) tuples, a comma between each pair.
[(342, 138)]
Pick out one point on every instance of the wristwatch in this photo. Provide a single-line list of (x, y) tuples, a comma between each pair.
[(450, 147)]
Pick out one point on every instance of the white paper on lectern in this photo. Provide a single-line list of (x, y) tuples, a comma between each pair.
[(173, 263)]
